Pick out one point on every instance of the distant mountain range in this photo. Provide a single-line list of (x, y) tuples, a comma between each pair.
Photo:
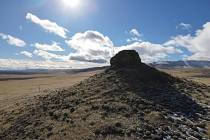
[(160, 65), (48, 71), (181, 64)]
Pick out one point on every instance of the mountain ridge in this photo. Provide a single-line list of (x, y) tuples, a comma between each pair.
[(181, 64)]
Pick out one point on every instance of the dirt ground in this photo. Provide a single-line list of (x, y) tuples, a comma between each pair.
[(17, 88), (198, 75), (116, 104)]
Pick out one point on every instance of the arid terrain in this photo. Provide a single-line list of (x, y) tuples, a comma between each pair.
[(15, 88), (129, 101), (196, 74), (104, 70)]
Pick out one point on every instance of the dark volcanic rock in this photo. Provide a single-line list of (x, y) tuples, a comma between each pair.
[(128, 64), (125, 59)]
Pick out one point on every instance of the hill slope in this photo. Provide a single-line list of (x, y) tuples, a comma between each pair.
[(130, 100)]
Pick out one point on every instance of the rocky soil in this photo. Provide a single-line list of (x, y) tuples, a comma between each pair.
[(127, 101)]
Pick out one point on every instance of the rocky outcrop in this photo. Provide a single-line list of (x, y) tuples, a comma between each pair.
[(125, 59)]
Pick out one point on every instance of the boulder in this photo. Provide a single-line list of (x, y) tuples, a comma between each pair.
[(125, 59)]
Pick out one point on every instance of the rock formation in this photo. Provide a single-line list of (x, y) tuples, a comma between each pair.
[(125, 59)]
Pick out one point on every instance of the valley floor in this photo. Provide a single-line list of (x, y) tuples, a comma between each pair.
[(198, 75), (15, 89)]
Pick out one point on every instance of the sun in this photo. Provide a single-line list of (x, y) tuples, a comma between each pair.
[(71, 3)]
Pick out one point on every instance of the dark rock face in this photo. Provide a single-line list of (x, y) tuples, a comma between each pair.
[(125, 59), (129, 65)]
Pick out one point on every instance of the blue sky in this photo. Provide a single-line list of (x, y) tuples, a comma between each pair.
[(85, 33)]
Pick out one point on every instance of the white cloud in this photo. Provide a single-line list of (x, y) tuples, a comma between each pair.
[(150, 52), (48, 25), (49, 56), (12, 40), (184, 26), (133, 39), (26, 53), (197, 44), (13, 64), (48, 47), (135, 33), (135, 36), (91, 46)]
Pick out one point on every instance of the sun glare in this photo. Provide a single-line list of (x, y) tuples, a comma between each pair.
[(71, 3)]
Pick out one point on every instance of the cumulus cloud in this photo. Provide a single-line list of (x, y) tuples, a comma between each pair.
[(27, 54), (13, 40), (150, 52), (49, 56), (184, 26), (197, 44), (13, 64), (48, 25), (91, 46), (48, 47)]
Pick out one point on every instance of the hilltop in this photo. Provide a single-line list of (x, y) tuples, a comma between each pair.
[(129, 100)]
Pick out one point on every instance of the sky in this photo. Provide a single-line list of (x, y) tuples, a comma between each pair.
[(62, 34)]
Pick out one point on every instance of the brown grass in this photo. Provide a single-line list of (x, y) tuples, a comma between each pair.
[(15, 91), (198, 75)]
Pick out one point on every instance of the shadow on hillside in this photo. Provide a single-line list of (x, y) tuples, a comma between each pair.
[(158, 88)]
